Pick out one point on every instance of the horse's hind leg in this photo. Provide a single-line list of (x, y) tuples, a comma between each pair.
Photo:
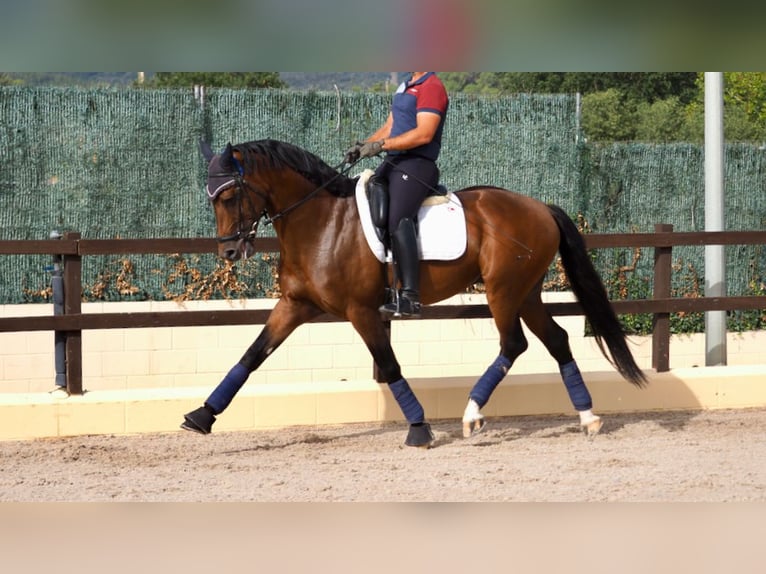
[(556, 341), (512, 344)]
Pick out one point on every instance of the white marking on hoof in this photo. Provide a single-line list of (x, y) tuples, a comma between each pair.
[(592, 427), (473, 420), (474, 427)]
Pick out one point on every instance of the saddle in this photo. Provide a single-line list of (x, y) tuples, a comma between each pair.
[(441, 224), (376, 190)]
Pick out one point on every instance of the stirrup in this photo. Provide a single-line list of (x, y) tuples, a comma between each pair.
[(402, 306)]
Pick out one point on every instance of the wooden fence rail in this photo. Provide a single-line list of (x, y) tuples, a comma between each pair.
[(72, 248)]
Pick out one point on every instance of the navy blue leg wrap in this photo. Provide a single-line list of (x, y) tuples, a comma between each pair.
[(228, 387), (408, 402), (484, 387), (576, 388)]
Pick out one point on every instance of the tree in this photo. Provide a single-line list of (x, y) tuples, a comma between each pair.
[(608, 116), (528, 82), (217, 80), (744, 115), (470, 82), (638, 86), (8, 80), (745, 96), (659, 122)]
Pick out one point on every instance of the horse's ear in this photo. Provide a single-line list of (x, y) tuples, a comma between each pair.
[(227, 157), (206, 150)]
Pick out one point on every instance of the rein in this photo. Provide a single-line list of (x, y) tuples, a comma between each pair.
[(271, 219), (238, 179), (242, 236)]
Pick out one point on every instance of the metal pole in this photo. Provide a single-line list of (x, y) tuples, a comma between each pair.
[(715, 261), (578, 116), (199, 94), (394, 81), (59, 341)]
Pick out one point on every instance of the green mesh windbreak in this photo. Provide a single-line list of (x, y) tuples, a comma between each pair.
[(125, 163), (631, 187), (106, 163)]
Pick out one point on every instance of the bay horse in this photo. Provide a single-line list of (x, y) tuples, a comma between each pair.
[(326, 266)]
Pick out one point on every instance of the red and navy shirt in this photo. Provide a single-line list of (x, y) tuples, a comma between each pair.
[(425, 95)]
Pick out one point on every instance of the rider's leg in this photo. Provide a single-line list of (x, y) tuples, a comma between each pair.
[(404, 244)]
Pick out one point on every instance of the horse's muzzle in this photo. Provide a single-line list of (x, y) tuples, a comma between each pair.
[(236, 250)]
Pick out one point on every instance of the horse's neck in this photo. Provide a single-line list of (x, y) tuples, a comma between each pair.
[(292, 194), (285, 190), (320, 219)]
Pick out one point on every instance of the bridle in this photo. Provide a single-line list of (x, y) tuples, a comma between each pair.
[(242, 185), (238, 180)]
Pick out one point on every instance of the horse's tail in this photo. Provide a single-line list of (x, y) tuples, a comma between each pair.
[(590, 292)]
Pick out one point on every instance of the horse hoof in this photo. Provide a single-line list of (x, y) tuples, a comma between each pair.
[(593, 427), (200, 420), (474, 427), (420, 435)]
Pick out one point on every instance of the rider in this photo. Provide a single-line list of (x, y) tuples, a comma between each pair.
[(411, 137)]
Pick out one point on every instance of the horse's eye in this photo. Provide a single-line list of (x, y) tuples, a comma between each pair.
[(228, 195)]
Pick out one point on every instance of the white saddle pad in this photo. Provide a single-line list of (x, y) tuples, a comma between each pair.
[(442, 234)]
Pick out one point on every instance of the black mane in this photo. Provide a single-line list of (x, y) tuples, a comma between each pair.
[(280, 154)]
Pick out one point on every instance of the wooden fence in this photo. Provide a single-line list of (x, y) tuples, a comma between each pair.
[(72, 248)]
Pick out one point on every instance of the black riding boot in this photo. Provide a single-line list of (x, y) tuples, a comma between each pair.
[(404, 245)]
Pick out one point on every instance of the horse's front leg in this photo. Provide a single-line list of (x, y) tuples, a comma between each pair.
[(286, 316), (370, 327)]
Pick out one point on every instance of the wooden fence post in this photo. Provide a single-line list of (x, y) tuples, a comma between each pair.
[(663, 260), (73, 306)]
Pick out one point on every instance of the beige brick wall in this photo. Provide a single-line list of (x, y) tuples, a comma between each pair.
[(167, 357)]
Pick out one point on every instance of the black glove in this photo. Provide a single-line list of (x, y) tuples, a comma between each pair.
[(370, 149), (352, 153)]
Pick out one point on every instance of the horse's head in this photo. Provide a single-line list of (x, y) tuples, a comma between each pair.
[(238, 207), (265, 178)]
